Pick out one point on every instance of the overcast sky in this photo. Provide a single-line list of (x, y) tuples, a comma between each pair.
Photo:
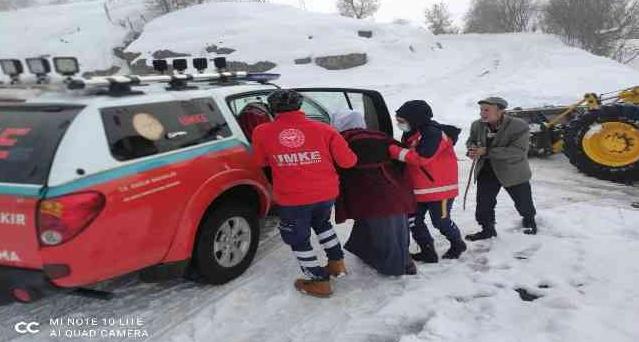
[(390, 10)]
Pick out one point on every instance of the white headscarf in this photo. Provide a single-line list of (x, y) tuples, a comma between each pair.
[(346, 119)]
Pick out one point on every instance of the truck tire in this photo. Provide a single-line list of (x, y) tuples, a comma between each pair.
[(604, 143), (227, 241)]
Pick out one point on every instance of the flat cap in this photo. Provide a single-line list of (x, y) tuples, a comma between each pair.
[(494, 100)]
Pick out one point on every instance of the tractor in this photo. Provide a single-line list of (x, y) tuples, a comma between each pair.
[(599, 134)]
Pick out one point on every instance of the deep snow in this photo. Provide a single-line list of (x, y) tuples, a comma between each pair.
[(583, 263)]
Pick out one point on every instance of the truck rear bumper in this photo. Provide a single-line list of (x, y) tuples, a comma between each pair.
[(24, 285)]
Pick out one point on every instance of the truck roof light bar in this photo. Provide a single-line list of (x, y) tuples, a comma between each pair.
[(200, 64), (180, 65), (160, 65), (134, 80), (66, 66), (12, 68), (40, 67), (220, 63)]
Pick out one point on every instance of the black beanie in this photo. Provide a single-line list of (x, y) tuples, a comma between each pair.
[(416, 112)]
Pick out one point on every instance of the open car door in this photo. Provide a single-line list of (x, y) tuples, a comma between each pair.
[(369, 103)]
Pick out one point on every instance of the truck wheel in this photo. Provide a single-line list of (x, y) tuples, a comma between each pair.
[(226, 243), (604, 143)]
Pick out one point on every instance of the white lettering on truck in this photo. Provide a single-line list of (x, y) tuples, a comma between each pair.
[(9, 256), (13, 219)]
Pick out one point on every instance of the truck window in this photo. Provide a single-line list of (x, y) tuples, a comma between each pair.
[(29, 137), (142, 130), (311, 108)]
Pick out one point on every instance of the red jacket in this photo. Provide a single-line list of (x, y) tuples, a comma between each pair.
[(434, 178), (302, 154)]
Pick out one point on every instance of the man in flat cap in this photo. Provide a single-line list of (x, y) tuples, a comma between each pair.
[(499, 143)]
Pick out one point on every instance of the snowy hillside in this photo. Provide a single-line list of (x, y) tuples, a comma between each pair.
[(80, 29), (275, 33), (582, 266), (451, 71)]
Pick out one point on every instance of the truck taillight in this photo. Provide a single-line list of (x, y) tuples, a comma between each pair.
[(62, 218)]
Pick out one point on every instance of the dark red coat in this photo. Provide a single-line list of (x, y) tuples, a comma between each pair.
[(377, 185)]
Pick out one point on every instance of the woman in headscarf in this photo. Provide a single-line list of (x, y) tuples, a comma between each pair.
[(377, 195)]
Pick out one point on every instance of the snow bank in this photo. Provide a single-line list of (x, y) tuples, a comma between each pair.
[(79, 29), (276, 33)]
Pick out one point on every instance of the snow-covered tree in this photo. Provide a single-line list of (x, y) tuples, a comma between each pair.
[(496, 16), (439, 20), (603, 27), (357, 8)]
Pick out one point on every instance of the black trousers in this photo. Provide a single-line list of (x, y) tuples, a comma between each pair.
[(439, 216), (488, 187)]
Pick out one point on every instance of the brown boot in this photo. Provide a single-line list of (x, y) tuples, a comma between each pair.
[(336, 268), (315, 288)]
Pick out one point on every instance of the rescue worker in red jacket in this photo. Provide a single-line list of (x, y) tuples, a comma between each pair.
[(432, 164), (302, 155)]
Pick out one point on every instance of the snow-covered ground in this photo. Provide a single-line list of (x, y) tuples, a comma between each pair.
[(583, 264)]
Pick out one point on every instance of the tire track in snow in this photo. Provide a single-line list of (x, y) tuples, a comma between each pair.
[(157, 303)]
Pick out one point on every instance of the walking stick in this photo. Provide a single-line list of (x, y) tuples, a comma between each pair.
[(470, 177)]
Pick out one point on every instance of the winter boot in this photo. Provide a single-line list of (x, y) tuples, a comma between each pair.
[(320, 288), (456, 249), (427, 254), (336, 268), (486, 232), (411, 268), (530, 225)]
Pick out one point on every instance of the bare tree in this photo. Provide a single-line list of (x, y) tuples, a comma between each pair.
[(439, 20), (603, 27), (7, 5), (627, 51), (357, 8), (517, 14), (483, 17), (496, 16)]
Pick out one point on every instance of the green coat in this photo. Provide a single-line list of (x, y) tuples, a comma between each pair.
[(508, 152)]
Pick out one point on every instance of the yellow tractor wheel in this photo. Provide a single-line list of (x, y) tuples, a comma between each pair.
[(613, 144), (604, 143)]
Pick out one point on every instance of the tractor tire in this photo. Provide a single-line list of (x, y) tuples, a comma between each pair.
[(226, 243), (604, 143)]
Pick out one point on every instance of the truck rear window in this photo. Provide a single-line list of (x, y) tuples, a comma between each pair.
[(29, 137)]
